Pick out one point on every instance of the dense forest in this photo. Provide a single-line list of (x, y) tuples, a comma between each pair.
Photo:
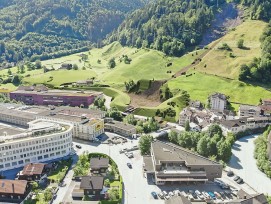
[(259, 9), (167, 25), (31, 29), (260, 69)]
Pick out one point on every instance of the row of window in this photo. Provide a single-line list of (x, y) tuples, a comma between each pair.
[(27, 160)]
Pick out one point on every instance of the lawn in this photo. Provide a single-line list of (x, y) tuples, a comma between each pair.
[(59, 77), (219, 62), (200, 86), (60, 172)]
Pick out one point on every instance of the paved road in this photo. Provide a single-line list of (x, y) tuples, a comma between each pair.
[(243, 164), (136, 187)]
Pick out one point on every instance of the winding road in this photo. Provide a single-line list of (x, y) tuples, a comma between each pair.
[(243, 164)]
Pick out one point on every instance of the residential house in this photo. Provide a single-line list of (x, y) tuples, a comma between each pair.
[(267, 102), (99, 165), (249, 111), (218, 102), (32, 172), (91, 186), (196, 104), (185, 116), (245, 198), (12, 189), (169, 164), (265, 110)]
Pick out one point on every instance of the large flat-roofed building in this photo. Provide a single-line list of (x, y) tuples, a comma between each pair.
[(119, 127), (87, 123), (40, 95), (169, 163), (43, 141)]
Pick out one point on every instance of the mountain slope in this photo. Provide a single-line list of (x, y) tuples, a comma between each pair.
[(166, 25), (50, 28)]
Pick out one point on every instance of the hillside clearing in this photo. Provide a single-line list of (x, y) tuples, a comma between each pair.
[(219, 62)]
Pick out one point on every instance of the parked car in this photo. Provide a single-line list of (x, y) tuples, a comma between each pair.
[(165, 193), (225, 186), (171, 194), (199, 194), (154, 195), (78, 146), (161, 195), (236, 178), (230, 173), (184, 194), (129, 165), (123, 150), (212, 195), (240, 181), (205, 194), (177, 192), (217, 195)]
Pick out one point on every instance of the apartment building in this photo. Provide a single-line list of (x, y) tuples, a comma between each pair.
[(249, 111), (242, 124), (41, 95), (218, 102), (43, 141), (169, 163)]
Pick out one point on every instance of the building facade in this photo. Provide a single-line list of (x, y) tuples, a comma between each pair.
[(42, 141), (249, 111), (170, 164), (13, 190), (218, 102), (121, 128), (269, 146), (39, 95)]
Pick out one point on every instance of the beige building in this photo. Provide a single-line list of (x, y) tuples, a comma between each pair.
[(248, 111), (119, 127), (218, 102), (185, 115), (169, 163)]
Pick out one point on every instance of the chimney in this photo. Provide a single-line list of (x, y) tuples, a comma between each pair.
[(13, 189)]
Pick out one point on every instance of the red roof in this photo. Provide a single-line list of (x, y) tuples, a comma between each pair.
[(13, 186), (33, 169)]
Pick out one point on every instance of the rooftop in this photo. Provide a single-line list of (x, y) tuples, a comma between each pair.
[(219, 95), (121, 125), (170, 152), (33, 169), (13, 186), (250, 107), (92, 182), (97, 163), (177, 200)]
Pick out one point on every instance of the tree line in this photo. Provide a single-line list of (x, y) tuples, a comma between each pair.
[(259, 70)]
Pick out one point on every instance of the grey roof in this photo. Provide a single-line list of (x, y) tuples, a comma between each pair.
[(170, 152), (120, 125), (177, 200), (219, 95), (92, 182), (249, 107), (11, 130), (13, 112), (234, 123), (252, 199), (97, 163)]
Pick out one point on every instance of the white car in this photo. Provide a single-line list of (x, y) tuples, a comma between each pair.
[(165, 193), (177, 192), (171, 194)]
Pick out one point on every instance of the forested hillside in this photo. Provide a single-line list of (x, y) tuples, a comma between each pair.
[(259, 9), (53, 28), (167, 25), (260, 69)]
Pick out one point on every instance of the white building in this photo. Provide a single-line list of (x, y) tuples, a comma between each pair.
[(218, 102), (43, 141), (88, 124), (248, 111)]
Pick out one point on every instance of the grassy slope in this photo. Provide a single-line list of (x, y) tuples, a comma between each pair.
[(219, 63), (146, 64), (200, 85)]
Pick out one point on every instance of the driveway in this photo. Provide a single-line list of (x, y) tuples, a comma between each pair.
[(244, 165)]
